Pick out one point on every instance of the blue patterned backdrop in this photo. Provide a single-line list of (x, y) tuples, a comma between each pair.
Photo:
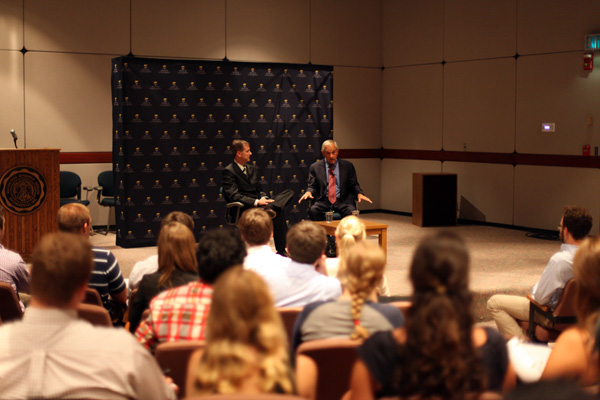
[(173, 124)]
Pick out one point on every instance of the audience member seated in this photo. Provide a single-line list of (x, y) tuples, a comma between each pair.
[(106, 277), (439, 352), (176, 266), (506, 310), (246, 345), (180, 313), (53, 354), (303, 279), (356, 313), (573, 356), (12, 267), (256, 227), (350, 231), (150, 264)]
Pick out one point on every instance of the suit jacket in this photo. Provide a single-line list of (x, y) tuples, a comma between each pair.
[(318, 181), (239, 187)]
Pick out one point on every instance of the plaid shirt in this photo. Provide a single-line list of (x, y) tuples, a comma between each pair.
[(176, 314)]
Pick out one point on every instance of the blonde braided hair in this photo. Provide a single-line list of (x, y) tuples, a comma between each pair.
[(350, 231), (365, 264)]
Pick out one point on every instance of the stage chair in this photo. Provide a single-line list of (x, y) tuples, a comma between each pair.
[(174, 358), (96, 315), (544, 324), (234, 209), (70, 189), (106, 193), (92, 297), (288, 317), (10, 308), (323, 368)]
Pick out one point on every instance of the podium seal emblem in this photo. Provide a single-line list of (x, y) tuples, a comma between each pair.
[(22, 190)]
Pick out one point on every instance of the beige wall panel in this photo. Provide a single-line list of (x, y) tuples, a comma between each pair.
[(357, 107), (68, 101), (542, 192), (547, 26), (479, 106), (183, 28), (11, 23), (413, 32), (367, 172), (485, 191), (268, 31), (346, 32), (77, 26), (11, 101), (89, 177), (396, 182), (554, 88), (412, 107), (475, 29)]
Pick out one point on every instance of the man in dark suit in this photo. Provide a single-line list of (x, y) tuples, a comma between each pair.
[(240, 183), (333, 184)]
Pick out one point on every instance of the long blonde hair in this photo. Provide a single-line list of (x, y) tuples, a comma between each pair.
[(350, 231), (365, 264), (176, 249), (245, 338)]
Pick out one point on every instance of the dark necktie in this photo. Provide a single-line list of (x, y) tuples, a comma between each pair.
[(331, 187), (245, 171)]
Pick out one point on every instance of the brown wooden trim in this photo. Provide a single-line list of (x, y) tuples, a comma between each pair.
[(547, 160), (86, 158)]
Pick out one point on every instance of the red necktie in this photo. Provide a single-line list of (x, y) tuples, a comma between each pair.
[(331, 187)]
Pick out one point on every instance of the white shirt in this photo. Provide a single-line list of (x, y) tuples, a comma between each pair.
[(555, 276), (141, 268), (263, 257), (294, 284), (52, 354)]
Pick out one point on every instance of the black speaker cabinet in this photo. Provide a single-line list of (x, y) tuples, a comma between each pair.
[(434, 199)]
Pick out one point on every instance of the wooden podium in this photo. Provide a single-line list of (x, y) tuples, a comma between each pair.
[(29, 195)]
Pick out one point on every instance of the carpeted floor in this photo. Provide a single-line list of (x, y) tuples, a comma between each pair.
[(502, 260)]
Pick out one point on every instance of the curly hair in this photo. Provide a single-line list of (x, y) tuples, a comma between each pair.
[(365, 264), (218, 250), (439, 358), (244, 337), (586, 269)]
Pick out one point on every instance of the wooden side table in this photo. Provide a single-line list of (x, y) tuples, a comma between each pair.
[(372, 228)]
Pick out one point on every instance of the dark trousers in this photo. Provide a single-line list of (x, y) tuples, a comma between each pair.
[(280, 227), (319, 208)]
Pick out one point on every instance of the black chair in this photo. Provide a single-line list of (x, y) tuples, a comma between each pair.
[(234, 209), (106, 193), (10, 308), (70, 189)]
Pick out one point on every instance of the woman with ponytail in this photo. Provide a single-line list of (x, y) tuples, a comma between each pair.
[(356, 314), (439, 353), (348, 233)]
